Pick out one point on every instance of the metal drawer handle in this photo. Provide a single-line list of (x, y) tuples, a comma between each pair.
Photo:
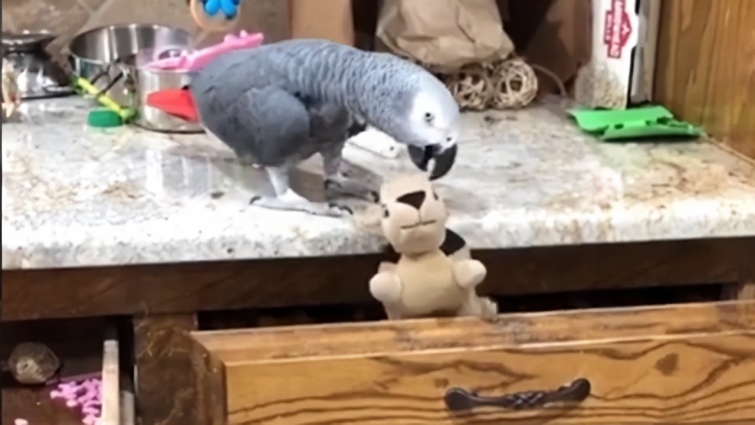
[(458, 399)]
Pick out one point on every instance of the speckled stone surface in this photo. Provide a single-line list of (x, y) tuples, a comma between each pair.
[(76, 196)]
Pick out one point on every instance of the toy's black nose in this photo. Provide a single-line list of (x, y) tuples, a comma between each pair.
[(413, 199)]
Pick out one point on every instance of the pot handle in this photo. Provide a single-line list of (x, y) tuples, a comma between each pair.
[(100, 75), (58, 90), (130, 83), (110, 84), (129, 76), (171, 52)]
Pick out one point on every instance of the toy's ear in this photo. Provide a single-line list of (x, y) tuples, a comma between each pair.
[(455, 247)]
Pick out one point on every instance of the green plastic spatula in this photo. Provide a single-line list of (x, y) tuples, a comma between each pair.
[(633, 124)]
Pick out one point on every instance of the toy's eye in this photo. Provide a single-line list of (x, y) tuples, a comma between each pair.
[(386, 214), (435, 195), (429, 117)]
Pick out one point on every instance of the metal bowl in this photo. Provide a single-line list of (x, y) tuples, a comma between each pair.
[(147, 80), (109, 44), (36, 74), (96, 54), (26, 41)]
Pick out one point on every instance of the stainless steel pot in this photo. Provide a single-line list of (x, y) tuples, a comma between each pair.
[(96, 54), (143, 81)]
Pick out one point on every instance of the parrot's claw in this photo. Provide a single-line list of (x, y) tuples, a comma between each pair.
[(344, 186), (303, 205), (340, 210)]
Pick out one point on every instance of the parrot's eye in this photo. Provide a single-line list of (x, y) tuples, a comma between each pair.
[(429, 117)]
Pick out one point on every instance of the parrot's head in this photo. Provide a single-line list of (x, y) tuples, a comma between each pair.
[(424, 116), (434, 121)]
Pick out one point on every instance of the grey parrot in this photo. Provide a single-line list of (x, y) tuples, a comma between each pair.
[(279, 104)]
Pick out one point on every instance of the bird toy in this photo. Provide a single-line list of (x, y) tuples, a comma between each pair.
[(505, 84), (215, 15), (32, 363)]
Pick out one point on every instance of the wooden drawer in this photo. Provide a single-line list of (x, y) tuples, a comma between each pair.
[(682, 364)]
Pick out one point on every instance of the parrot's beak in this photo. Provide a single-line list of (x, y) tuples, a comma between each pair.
[(443, 158)]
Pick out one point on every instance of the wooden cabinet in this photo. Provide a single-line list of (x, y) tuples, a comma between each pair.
[(679, 364), (328, 19), (706, 67)]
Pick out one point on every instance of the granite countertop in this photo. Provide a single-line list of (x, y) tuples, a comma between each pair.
[(75, 196)]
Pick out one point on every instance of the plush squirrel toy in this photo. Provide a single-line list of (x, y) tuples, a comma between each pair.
[(435, 274)]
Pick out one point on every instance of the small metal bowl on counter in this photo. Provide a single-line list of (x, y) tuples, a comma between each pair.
[(97, 55), (145, 80), (36, 75)]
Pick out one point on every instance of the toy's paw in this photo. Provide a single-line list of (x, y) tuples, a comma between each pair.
[(469, 273), (386, 266), (488, 308), (386, 287), (394, 313), (479, 307)]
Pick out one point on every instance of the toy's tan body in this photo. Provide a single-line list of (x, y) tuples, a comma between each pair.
[(431, 285), (426, 281), (428, 284)]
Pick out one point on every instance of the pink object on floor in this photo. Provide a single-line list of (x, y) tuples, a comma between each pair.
[(199, 59), (20, 421), (83, 394)]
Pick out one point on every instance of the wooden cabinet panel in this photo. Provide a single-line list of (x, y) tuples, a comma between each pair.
[(328, 19), (680, 364), (705, 71)]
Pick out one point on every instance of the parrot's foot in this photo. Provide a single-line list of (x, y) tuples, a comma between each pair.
[(291, 201), (340, 185)]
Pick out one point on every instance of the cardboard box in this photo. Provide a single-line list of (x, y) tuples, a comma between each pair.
[(621, 70)]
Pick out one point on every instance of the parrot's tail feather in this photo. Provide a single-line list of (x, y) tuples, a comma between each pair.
[(176, 102)]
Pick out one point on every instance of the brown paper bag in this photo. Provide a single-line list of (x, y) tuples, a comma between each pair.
[(444, 33)]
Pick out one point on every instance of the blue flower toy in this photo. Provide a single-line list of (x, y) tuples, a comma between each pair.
[(215, 15), (230, 8)]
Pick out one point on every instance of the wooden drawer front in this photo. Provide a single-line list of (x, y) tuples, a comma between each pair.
[(677, 364)]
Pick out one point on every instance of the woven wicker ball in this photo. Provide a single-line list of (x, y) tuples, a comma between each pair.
[(32, 363), (471, 87), (514, 84)]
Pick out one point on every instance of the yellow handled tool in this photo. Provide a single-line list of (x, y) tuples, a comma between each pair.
[(105, 100)]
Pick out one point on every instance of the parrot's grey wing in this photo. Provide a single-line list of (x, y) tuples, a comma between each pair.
[(267, 124)]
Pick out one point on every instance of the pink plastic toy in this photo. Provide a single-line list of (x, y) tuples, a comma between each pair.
[(197, 60), (84, 394)]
